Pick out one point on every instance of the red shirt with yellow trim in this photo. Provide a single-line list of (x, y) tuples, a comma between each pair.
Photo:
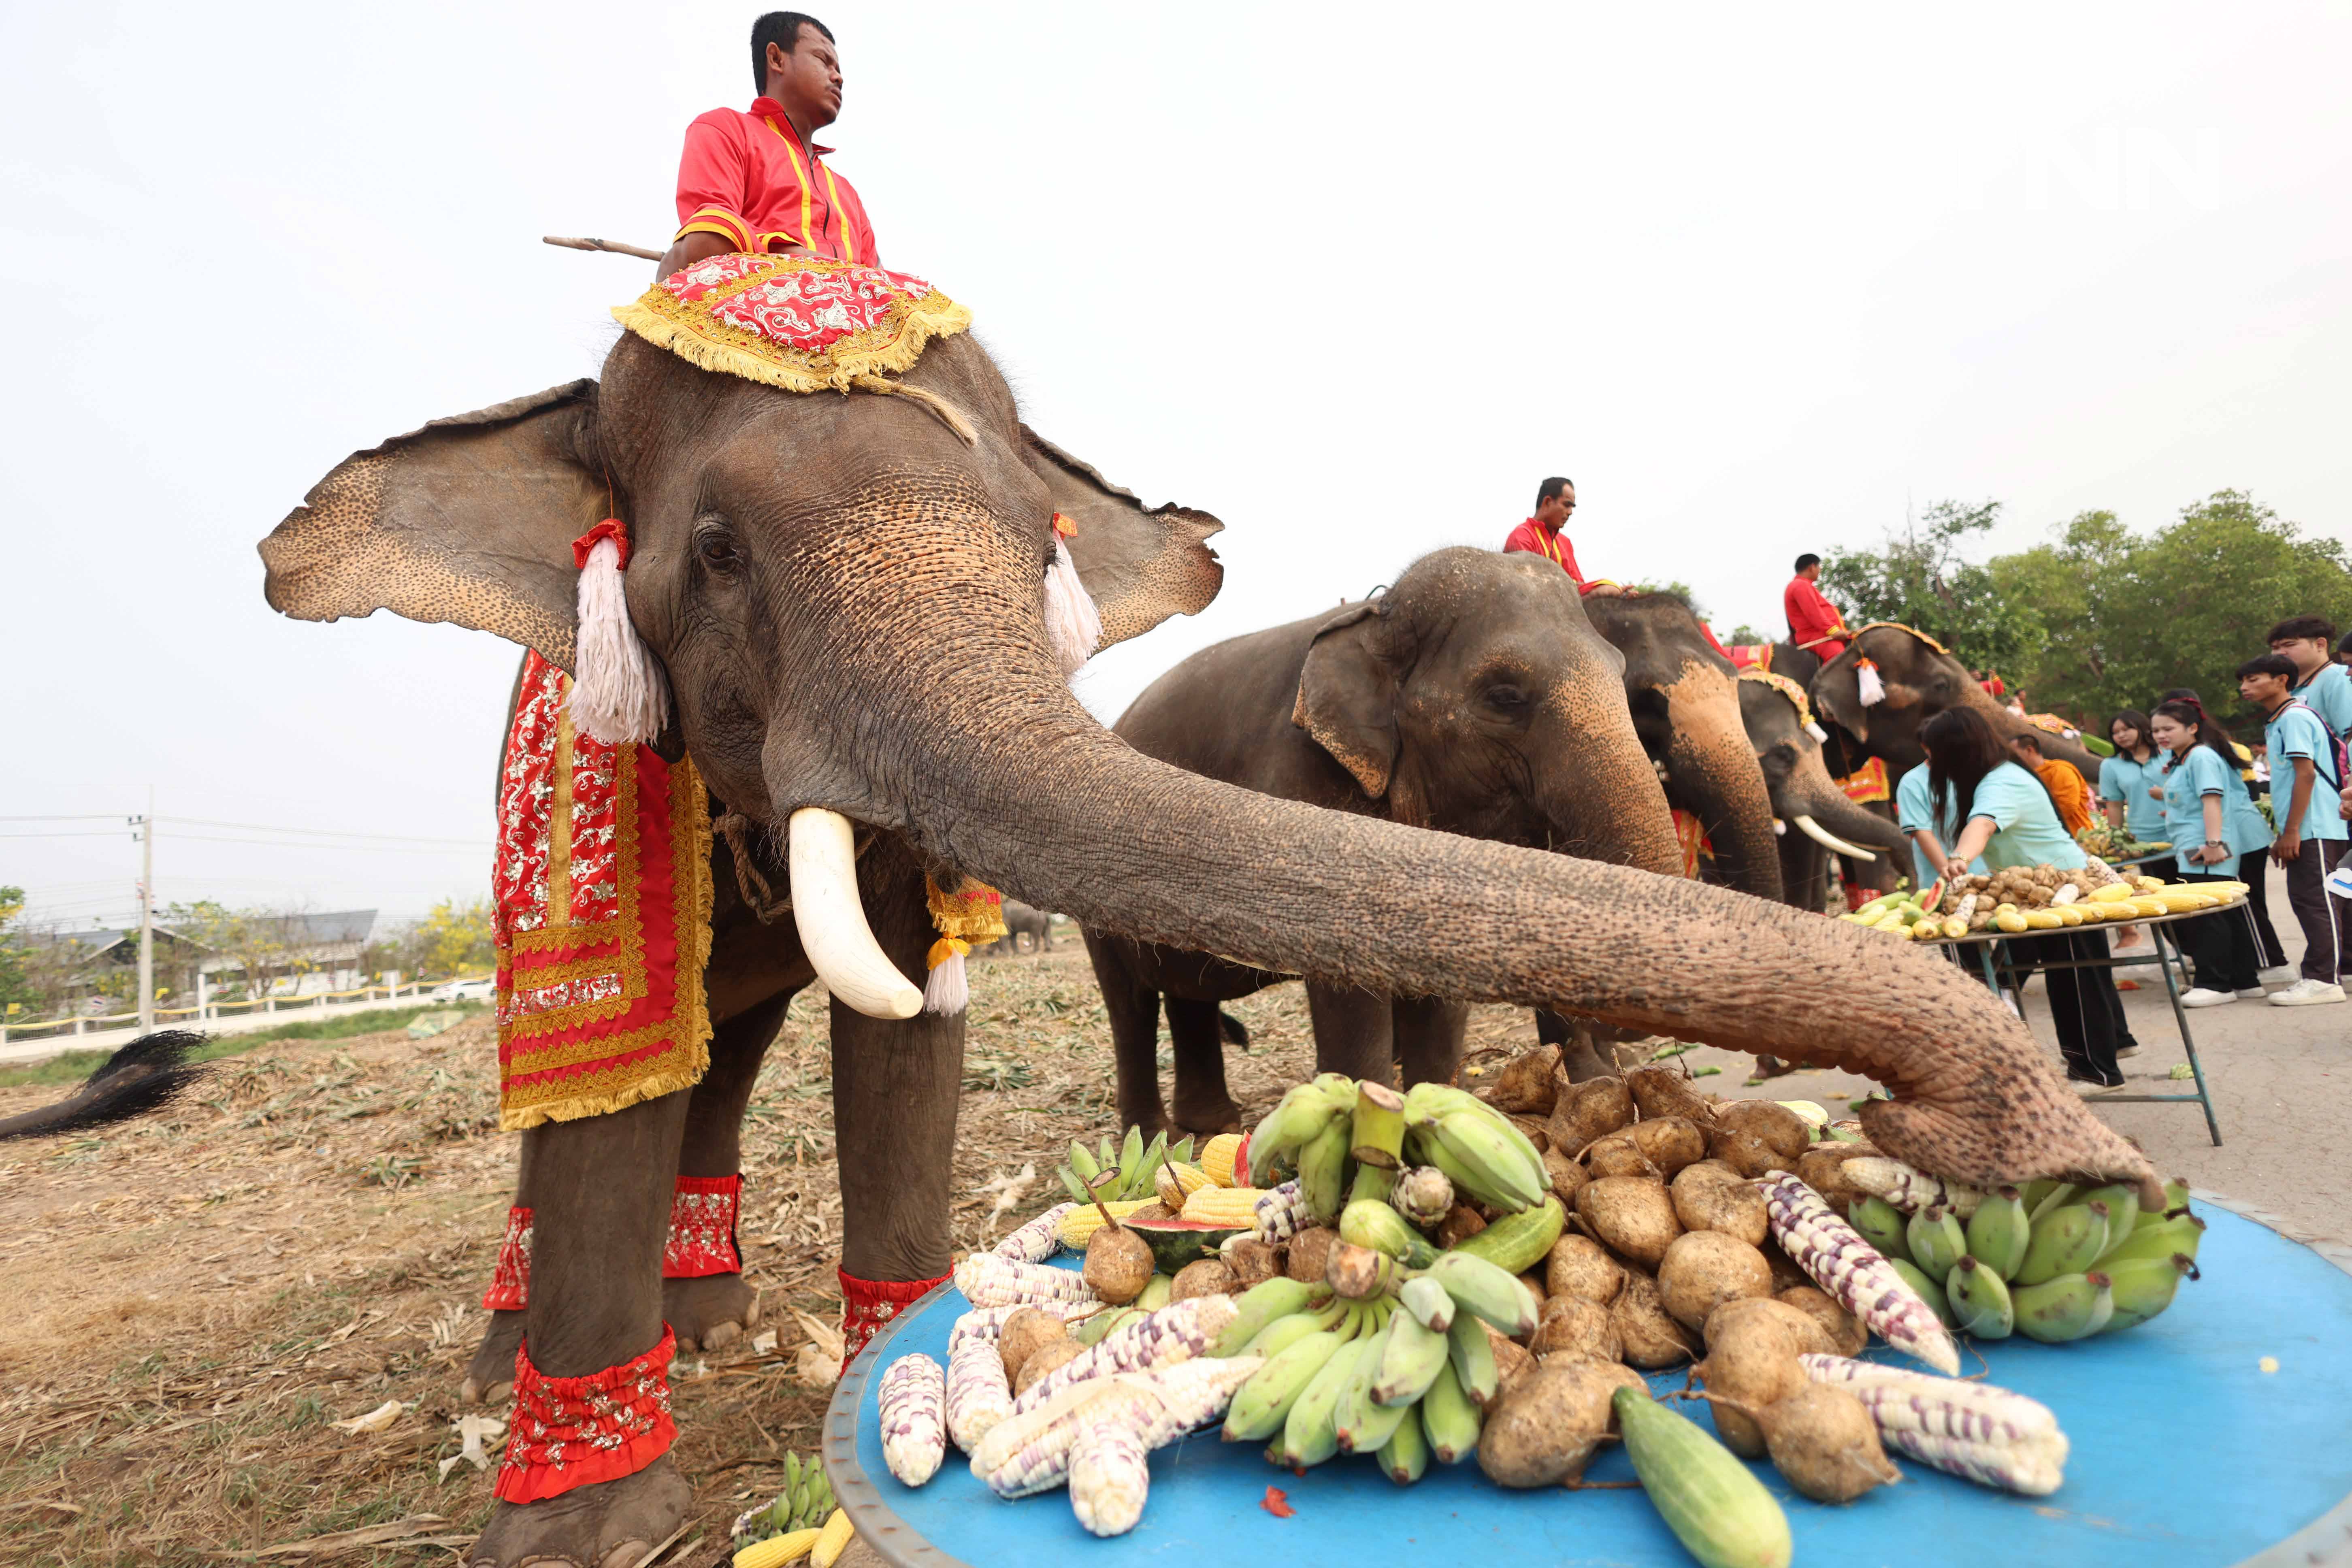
[(1533, 538), (1813, 621), (746, 176)]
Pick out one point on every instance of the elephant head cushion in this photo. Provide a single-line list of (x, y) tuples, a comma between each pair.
[(794, 321)]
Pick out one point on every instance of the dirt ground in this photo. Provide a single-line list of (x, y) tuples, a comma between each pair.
[(193, 1300)]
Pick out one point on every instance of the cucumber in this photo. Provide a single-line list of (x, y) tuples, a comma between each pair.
[(1714, 1504), (1517, 1242)]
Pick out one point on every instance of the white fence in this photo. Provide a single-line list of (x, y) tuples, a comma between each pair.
[(192, 1017)]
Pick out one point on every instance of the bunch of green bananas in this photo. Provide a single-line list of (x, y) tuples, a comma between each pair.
[(1136, 1162), (1476, 1145), (805, 1503), (1346, 1141), (2052, 1261), (1381, 1359)]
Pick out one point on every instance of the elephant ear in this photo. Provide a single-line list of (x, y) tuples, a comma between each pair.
[(469, 519), (1837, 691), (1140, 565), (1348, 695)]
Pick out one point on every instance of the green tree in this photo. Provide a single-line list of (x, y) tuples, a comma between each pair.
[(17, 990), (456, 936), (2129, 615), (1922, 578)]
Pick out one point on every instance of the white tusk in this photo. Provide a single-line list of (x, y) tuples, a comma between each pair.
[(834, 933), (1826, 839)]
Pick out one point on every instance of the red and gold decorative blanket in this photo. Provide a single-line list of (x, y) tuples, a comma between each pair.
[(601, 899)]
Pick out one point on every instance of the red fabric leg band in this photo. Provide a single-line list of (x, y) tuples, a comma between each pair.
[(702, 1228), (1857, 895), (568, 1432), (510, 1278), (867, 1304)]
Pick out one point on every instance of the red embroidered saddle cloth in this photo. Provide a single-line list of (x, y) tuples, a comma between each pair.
[(601, 899)]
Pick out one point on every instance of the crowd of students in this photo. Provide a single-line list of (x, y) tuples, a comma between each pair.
[(1978, 803)]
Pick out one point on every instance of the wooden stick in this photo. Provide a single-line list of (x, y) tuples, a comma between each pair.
[(614, 246)]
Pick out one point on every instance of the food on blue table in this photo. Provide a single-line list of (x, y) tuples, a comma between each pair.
[(1024, 1330), (1631, 1215), (1705, 1269), (1711, 1195), (1545, 1427), (1037, 1240), (911, 1407), (979, 1393), (1825, 1442), (1176, 1332), (1714, 1504), (1131, 1166), (1751, 1362), (1974, 1430), (988, 1280), (1119, 1262), (1856, 1274), (1043, 1360)]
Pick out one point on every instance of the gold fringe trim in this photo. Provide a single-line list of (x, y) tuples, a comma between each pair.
[(1785, 687), (1899, 626), (690, 334)]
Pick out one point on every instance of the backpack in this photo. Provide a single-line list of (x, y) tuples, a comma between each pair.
[(2335, 750)]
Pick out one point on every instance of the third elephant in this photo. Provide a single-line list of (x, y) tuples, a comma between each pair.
[(1473, 697)]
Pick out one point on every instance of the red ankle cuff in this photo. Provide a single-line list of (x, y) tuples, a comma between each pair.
[(702, 1228), (510, 1289), (867, 1304), (568, 1432)]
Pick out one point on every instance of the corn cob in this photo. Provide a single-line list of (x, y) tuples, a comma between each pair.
[(1176, 1332), (988, 1280), (1281, 1213), (777, 1550), (978, 1396), (1217, 1159), (1973, 1430), (988, 1322), (1036, 1241), (832, 1541), (1078, 1227), (1110, 1477), (1853, 1273), (1175, 1182), (912, 1400), (1223, 1205), (1030, 1453), (1907, 1188)]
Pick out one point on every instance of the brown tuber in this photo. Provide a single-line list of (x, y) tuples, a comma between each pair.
[(1045, 1359), (1544, 1428), (1022, 1333), (1804, 1331), (1819, 1169), (1253, 1262), (1311, 1253), (1631, 1216), (1847, 1337), (1588, 1110), (1566, 1176), (1580, 1265), (1706, 1269), (1118, 1262), (1202, 1277), (1711, 1196), (1578, 1327), (1666, 1091), (1757, 1136), (1650, 1338), (1671, 1143), (1461, 1223), (1358, 1273), (1618, 1154), (1526, 1086), (1751, 1362), (1826, 1443)]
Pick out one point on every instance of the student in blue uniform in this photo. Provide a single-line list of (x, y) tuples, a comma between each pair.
[(1984, 804), (2307, 788), (2211, 821), (2125, 779), (2252, 867)]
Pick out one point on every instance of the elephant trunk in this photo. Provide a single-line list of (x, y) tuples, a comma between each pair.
[(991, 765), (1711, 765)]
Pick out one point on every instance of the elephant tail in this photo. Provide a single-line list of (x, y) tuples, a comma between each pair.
[(1231, 1029), (146, 1075)]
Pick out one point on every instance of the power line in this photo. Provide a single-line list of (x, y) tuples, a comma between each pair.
[(481, 848), (77, 833), (321, 832), (85, 816)]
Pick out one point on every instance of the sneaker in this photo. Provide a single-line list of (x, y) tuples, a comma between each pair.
[(2253, 993), (2276, 974), (2129, 1048), (2197, 996), (2091, 1088), (2307, 994)]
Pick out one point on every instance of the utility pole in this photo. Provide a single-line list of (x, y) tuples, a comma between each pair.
[(147, 915)]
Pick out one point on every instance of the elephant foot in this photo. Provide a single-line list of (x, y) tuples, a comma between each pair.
[(710, 1313), (489, 1376), (612, 1524), (1771, 1066), (1205, 1119)]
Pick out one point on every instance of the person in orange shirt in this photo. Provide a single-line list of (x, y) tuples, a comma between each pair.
[(1541, 535), (2067, 791), (754, 179)]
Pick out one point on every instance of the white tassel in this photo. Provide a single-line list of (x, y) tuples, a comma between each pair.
[(619, 693), (1874, 690), (946, 991), (1072, 623), (1821, 736)]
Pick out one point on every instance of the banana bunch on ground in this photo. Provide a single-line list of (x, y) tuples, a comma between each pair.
[(1139, 1165), (805, 1503), (2050, 1260)]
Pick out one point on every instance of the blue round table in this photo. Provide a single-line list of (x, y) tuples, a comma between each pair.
[(2186, 1454)]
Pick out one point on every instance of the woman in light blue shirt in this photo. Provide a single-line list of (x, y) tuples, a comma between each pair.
[(2212, 822), (1985, 804), (2126, 778)]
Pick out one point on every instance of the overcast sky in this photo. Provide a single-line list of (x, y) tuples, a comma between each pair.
[(1354, 278)]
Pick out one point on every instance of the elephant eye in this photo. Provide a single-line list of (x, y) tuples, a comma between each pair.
[(715, 548), (1504, 697)]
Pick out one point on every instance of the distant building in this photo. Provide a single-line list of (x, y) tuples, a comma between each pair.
[(298, 954)]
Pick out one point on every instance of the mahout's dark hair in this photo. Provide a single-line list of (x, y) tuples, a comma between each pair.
[(779, 27), (1808, 558), (2276, 664), (1962, 746), (2295, 628), (1549, 489)]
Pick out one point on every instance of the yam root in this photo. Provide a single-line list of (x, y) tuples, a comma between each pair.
[(1044, 1359), (1202, 1276), (1666, 1091), (1253, 1262), (1631, 1216), (1526, 1086), (1580, 1327), (1311, 1253), (1824, 1441), (1580, 1265), (1752, 1363), (1844, 1328), (1544, 1428), (1022, 1333), (1461, 1223), (1706, 1269), (1618, 1154), (1584, 1111), (1649, 1338), (1671, 1143), (1566, 1176), (1710, 1196)]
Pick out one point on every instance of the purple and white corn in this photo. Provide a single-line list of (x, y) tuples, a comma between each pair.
[(1031, 1452), (988, 1280), (1973, 1430), (1176, 1332), (1111, 1478), (978, 1395), (913, 1409), (1908, 1188), (1853, 1273), (988, 1322), (1036, 1241), (1282, 1213)]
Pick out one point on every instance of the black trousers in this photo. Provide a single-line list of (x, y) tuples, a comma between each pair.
[(2219, 945), (2084, 1006), (2253, 866), (2327, 929)]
